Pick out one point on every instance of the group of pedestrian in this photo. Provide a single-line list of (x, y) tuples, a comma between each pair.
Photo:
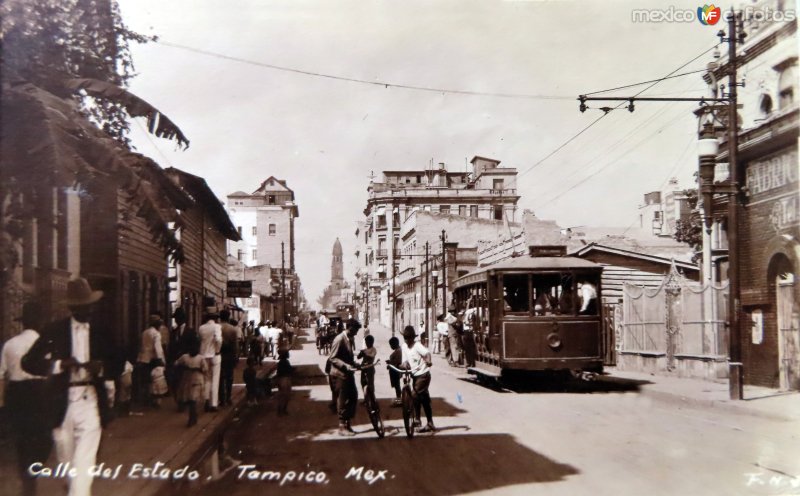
[(341, 367), (61, 386), (455, 333), (267, 339)]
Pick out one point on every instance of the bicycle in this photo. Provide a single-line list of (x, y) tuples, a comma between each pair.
[(407, 399), (372, 405)]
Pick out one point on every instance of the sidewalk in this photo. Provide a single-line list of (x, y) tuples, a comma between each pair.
[(759, 401), (146, 438)]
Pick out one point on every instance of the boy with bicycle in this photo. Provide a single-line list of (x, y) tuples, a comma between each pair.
[(367, 357), (417, 359)]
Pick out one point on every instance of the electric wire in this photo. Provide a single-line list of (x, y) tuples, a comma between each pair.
[(652, 80), (571, 139), (663, 108), (385, 84), (612, 162)]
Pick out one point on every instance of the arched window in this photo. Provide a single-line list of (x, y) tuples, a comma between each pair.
[(786, 83), (765, 105)]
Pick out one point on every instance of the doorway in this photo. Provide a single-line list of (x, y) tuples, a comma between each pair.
[(788, 324)]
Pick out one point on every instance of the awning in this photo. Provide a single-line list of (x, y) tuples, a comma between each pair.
[(380, 211), (396, 210)]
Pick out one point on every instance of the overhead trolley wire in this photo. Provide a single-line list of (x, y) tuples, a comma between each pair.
[(651, 84), (385, 84)]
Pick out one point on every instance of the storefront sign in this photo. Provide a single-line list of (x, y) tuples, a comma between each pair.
[(240, 289), (784, 212), (772, 173)]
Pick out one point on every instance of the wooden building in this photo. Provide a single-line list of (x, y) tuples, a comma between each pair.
[(205, 227), (622, 266)]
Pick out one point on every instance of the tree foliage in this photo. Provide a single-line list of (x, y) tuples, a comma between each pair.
[(65, 65), (49, 42), (690, 231)]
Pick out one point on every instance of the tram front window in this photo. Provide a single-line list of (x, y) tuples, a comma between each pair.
[(515, 293)]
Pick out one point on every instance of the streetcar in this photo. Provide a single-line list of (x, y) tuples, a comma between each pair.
[(346, 311), (540, 312)]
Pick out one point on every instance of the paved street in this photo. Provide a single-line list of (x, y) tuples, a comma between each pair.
[(594, 438)]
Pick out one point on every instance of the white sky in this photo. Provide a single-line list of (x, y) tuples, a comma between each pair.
[(324, 136)]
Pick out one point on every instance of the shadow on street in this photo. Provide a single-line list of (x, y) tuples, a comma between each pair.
[(534, 383), (451, 461)]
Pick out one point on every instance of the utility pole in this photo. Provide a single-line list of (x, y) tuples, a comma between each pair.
[(366, 304), (735, 35), (391, 299), (735, 370), (444, 274), (428, 309), (283, 287)]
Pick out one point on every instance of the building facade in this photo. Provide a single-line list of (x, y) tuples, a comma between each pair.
[(769, 224), (487, 193), (265, 221), (200, 281)]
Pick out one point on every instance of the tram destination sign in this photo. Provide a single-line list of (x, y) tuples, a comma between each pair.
[(240, 289)]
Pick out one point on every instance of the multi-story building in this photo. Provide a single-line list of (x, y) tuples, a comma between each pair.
[(265, 221), (486, 193), (662, 209), (767, 166)]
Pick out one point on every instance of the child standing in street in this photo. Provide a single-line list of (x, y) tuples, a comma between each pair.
[(191, 388), (395, 359), (367, 356), (250, 376), (284, 378)]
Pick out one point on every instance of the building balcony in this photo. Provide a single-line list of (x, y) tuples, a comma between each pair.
[(503, 192), (381, 253)]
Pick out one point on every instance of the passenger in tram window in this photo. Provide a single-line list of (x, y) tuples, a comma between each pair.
[(516, 293), (542, 304), (566, 302), (588, 295)]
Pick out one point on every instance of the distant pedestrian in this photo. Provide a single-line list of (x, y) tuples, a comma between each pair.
[(367, 357), (274, 336), (443, 330), (163, 331), (125, 389), (284, 379), (180, 337), (454, 331), (396, 360), (150, 356), (229, 352), (191, 389), (210, 335), (250, 377), (469, 319), (25, 397)]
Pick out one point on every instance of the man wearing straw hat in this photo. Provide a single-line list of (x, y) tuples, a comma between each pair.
[(76, 355)]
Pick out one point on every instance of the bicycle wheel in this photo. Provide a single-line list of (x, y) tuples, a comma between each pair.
[(374, 412), (408, 411)]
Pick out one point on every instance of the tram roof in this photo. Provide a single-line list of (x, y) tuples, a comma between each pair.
[(533, 263)]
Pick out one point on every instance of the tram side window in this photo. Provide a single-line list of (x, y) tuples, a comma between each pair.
[(515, 293)]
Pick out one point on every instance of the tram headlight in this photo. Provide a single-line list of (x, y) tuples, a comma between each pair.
[(554, 341)]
